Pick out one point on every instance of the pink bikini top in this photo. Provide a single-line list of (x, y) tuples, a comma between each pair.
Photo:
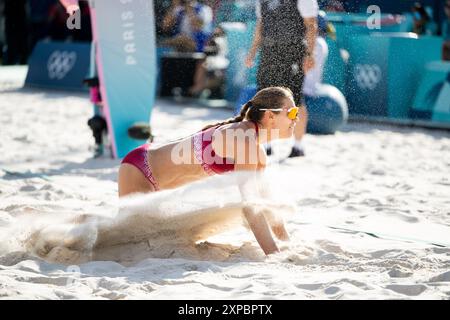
[(211, 163)]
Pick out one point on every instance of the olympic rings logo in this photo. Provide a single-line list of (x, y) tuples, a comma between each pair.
[(367, 76), (60, 63)]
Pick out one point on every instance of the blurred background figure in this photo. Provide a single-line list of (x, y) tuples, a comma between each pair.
[(25, 22), (332, 5), (39, 18), (209, 75), (286, 33), (57, 18), (423, 22), (313, 77), (16, 47), (446, 32), (189, 24), (161, 7), (446, 23), (84, 34)]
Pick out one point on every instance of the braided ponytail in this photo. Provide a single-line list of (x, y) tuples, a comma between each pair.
[(240, 117), (268, 98)]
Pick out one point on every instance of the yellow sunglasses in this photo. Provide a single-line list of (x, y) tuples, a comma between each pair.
[(292, 112)]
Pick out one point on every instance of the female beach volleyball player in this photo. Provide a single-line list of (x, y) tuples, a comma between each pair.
[(233, 145)]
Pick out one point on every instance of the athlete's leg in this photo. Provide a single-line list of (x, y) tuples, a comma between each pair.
[(132, 180)]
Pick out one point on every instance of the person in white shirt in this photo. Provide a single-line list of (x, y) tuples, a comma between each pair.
[(313, 78)]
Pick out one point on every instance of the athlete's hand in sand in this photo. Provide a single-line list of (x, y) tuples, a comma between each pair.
[(276, 223), (280, 232), (260, 228)]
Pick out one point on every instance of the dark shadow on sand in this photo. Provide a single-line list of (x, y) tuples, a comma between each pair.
[(88, 168)]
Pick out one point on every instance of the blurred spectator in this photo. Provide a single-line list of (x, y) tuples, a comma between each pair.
[(2, 30), (313, 78), (189, 24), (83, 34), (209, 74), (57, 18), (224, 12), (332, 5), (16, 49), (39, 10), (446, 23), (423, 22), (161, 7), (286, 33), (214, 5), (446, 32)]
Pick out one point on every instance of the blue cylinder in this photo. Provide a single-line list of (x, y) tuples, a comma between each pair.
[(327, 110)]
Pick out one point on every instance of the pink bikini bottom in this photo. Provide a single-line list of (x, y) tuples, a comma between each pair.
[(139, 158)]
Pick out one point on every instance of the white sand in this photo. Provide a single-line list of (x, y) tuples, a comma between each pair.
[(380, 179)]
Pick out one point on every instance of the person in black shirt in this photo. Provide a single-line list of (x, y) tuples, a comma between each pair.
[(286, 33)]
